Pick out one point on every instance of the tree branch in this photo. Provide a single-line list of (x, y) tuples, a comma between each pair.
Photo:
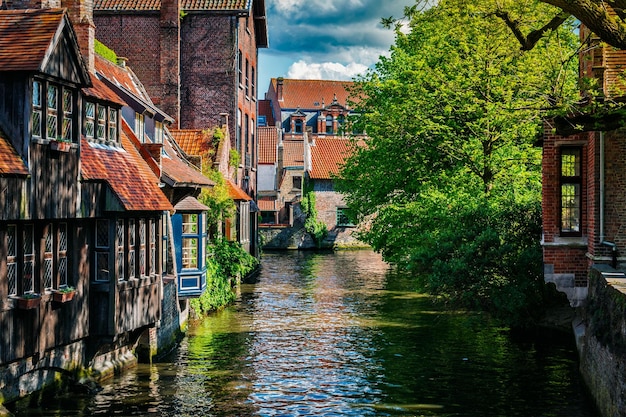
[(529, 42)]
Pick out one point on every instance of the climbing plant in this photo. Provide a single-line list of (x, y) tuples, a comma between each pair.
[(315, 227)]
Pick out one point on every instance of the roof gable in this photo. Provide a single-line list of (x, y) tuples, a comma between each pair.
[(42, 41), (268, 139)]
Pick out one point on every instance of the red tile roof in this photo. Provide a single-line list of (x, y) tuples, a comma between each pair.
[(25, 36), (124, 170), (10, 161), (311, 94), (100, 91), (327, 156), (120, 75), (193, 141), (293, 153), (190, 204), (180, 173), (236, 193), (213, 5), (268, 138)]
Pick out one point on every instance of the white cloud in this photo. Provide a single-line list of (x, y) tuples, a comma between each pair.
[(325, 71)]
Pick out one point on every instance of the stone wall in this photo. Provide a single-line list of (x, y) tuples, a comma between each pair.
[(601, 340)]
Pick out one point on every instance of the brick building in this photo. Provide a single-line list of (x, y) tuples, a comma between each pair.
[(584, 209), (304, 151)]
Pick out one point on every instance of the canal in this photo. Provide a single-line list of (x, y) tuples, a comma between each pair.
[(340, 334)]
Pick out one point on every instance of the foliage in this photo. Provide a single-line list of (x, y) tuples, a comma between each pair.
[(315, 227), (217, 198), (105, 52), (234, 158), (449, 179), (226, 262)]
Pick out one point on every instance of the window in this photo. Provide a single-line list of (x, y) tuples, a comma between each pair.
[(112, 124), (52, 114), (247, 78), (101, 117), (28, 259), (140, 127), (56, 104), (329, 124), (190, 240), (158, 132), (142, 248), (119, 258), (153, 247), (102, 251), (68, 107), (344, 217), (297, 126), (55, 256), (297, 182), (90, 120), (238, 142), (131, 249), (12, 259), (262, 121), (253, 82), (37, 108), (570, 187), (240, 63)]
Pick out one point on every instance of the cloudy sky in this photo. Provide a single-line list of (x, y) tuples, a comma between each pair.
[(325, 39)]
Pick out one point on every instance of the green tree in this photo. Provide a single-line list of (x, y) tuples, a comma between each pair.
[(450, 165)]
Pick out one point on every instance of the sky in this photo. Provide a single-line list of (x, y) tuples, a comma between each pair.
[(325, 39)]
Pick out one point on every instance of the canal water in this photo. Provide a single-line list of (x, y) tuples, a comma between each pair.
[(340, 334)]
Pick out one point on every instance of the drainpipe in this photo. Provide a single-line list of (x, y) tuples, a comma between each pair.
[(612, 245)]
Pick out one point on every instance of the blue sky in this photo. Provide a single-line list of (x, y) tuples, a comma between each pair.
[(325, 39)]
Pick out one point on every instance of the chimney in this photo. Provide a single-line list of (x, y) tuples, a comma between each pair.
[(169, 61), (279, 88), (81, 16)]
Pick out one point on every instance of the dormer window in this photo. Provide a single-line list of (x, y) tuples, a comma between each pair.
[(297, 126), (101, 122), (52, 114), (329, 124)]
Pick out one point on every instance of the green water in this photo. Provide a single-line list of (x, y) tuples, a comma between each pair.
[(339, 334)]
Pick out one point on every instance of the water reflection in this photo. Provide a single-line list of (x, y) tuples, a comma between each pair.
[(341, 335)]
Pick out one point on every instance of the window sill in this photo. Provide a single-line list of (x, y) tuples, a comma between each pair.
[(573, 241)]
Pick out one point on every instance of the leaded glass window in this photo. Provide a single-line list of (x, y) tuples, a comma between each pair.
[(571, 186), (36, 114), (119, 258), (48, 258), (67, 115), (28, 249), (90, 120), (12, 259), (52, 116), (101, 122)]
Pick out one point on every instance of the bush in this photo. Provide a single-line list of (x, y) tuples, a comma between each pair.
[(227, 262)]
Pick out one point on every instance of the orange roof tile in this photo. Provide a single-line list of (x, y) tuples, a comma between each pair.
[(213, 5), (192, 141), (293, 153), (327, 156), (100, 91), (268, 137), (119, 75), (10, 161), (124, 170), (25, 36), (311, 94), (236, 193), (179, 172)]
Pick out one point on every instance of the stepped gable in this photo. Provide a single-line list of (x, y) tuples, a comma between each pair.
[(125, 171)]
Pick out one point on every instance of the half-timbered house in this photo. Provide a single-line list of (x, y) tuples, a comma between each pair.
[(80, 229)]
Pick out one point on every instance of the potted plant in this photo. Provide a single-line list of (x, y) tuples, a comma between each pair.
[(28, 301), (63, 294), (60, 146)]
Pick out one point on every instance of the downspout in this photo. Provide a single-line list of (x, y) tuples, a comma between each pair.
[(612, 245)]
